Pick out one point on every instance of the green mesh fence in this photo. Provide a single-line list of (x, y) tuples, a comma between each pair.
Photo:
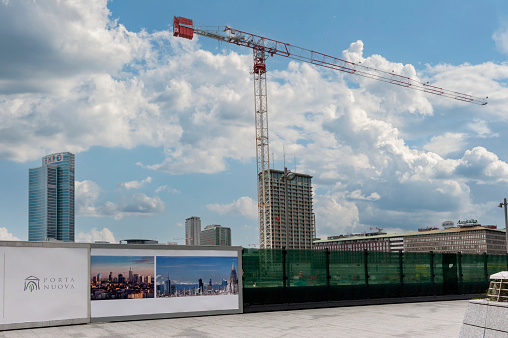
[(417, 268), (262, 268), (384, 267), (473, 268), (306, 267), (347, 268), (495, 264), (418, 273)]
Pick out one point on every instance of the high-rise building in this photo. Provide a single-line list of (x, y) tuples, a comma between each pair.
[(51, 199), (192, 230), (216, 235), (290, 219)]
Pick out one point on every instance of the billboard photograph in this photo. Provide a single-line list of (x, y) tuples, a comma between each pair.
[(191, 276), (144, 282), (121, 277)]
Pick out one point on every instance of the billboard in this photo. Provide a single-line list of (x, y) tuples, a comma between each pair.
[(126, 282), (39, 284)]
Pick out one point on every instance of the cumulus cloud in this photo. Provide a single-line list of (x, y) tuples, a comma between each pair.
[(135, 184), (244, 206), (5, 235), (135, 204), (482, 166), (445, 144), (94, 235)]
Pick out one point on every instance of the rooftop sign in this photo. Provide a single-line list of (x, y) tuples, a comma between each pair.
[(53, 158)]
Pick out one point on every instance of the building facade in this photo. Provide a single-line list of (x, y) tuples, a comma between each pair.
[(468, 240), (290, 221), (216, 235), (51, 199), (192, 230)]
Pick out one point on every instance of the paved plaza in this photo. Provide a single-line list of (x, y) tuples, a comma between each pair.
[(429, 319)]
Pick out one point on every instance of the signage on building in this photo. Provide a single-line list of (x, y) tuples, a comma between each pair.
[(53, 158), (43, 284), (468, 221)]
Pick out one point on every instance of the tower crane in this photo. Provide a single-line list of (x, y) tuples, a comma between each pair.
[(262, 49)]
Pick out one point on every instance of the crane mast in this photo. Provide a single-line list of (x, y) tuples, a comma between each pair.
[(263, 48)]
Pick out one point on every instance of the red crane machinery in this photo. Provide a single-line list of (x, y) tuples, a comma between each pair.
[(262, 49)]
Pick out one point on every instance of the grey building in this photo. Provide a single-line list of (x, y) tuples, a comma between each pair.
[(51, 199), (216, 235), (192, 230)]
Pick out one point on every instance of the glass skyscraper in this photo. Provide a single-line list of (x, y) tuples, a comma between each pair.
[(51, 199)]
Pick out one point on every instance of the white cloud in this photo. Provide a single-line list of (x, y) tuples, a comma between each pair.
[(480, 165), (95, 235), (357, 195), (168, 189), (135, 184), (500, 37), (135, 204), (481, 129), (5, 235), (244, 206), (445, 144)]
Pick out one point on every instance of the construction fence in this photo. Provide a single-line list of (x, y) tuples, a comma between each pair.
[(298, 276)]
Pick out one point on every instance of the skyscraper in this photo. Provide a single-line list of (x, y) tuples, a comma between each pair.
[(192, 230), (51, 199), (289, 202), (215, 235)]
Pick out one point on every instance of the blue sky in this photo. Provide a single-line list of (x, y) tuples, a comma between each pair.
[(163, 128), (141, 265), (190, 269)]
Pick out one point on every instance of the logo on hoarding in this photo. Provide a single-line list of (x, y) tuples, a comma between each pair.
[(32, 283), (53, 158)]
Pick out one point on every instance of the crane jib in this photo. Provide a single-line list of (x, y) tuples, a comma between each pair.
[(183, 27)]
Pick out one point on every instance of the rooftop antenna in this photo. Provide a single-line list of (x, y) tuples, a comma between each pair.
[(295, 161), (273, 160)]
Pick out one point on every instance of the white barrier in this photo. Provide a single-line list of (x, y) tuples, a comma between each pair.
[(48, 284)]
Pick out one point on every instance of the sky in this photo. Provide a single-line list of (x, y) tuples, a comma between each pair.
[(141, 265), (163, 127), (188, 269)]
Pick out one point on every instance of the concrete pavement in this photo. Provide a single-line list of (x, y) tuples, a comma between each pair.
[(429, 319)]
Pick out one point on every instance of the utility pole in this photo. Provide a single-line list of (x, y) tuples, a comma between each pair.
[(505, 221)]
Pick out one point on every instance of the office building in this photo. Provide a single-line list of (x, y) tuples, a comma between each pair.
[(290, 220), (51, 199), (192, 230), (469, 239), (216, 235)]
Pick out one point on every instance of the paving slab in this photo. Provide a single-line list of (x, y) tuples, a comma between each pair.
[(428, 319)]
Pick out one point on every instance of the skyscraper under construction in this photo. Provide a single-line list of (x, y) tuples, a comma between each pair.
[(290, 221)]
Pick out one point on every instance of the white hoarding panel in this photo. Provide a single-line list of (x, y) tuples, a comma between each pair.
[(43, 284), (144, 282)]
